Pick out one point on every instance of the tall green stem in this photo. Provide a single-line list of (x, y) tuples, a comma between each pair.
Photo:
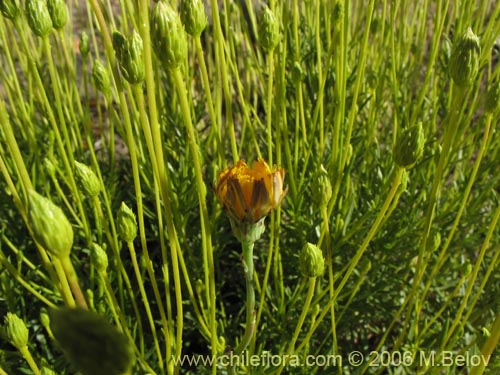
[(248, 268), (300, 323)]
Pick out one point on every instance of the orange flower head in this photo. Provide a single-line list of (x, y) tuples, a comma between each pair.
[(249, 194)]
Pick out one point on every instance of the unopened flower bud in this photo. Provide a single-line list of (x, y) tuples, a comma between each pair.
[(464, 59), (119, 44), (312, 263), (297, 72), (58, 13), (44, 318), (322, 187), (84, 44), (87, 179), (409, 147), (99, 258), (349, 153), (492, 103), (49, 167), (167, 35), (467, 268), (338, 11), (193, 16), (365, 266), (130, 56), (269, 29), (16, 330), (433, 242), (101, 79), (38, 17), (127, 225), (51, 228), (90, 343), (9, 8)]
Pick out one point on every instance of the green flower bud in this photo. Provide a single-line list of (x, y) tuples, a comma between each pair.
[(492, 103), (464, 59), (16, 330), (101, 79), (365, 266), (467, 269), (433, 242), (87, 180), (193, 16), (119, 44), (297, 72), (409, 147), (84, 44), (9, 8), (338, 11), (269, 29), (89, 293), (167, 35), (49, 166), (322, 188), (311, 261), (90, 343), (38, 17), (99, 258), (51, 228), (130, 56), (44, 318), (127, 226), (58, 13)]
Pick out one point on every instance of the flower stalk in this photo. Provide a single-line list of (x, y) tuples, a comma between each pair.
[(248, 266)]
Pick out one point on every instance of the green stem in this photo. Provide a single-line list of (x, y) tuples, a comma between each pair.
[(298, 327), (269, 109), (359, 253), (139, 95), (17, 276), (221, 63), (373, 230), (202, 195), (475, 272), (162, 173), (210, 104), (29, 358), (331, 279), (451, 124), (68, 153), (465, 197), (64, 286), (145, 301), (247, 260), (70, 272)]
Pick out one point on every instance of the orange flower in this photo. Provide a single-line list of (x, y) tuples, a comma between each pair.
[(249, 194)]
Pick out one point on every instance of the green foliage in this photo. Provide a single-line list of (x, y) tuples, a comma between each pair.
[(345, 97)]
